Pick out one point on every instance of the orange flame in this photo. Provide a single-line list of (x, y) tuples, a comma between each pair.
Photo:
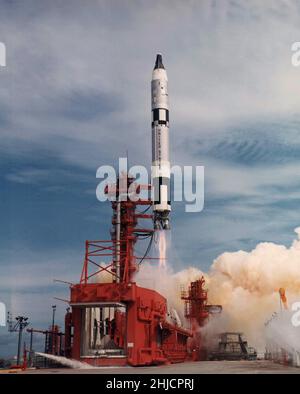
[(283, 297)]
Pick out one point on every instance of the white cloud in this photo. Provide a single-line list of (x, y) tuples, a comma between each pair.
[(225, 63)]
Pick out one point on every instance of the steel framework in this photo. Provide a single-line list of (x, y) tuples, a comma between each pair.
[(138, 332)]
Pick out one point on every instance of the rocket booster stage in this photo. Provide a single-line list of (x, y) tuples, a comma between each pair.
[(160, 146)]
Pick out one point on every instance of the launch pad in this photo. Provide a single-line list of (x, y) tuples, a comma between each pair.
[(114, 321), (190, 368)]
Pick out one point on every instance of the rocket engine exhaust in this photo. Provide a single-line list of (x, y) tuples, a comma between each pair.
[(162, 248), (160, 146)]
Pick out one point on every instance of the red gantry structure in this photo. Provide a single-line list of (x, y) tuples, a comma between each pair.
[(114, 321), (197, 312)]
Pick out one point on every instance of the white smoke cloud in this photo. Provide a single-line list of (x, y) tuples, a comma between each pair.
[(282, 333), (246, 284), (165, 281)]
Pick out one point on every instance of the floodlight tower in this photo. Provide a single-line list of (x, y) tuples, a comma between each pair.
[(21, 323)]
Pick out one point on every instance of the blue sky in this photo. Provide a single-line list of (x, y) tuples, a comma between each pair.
[(76, 95)]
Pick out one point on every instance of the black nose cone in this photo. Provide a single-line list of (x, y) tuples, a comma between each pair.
[(158, 63)]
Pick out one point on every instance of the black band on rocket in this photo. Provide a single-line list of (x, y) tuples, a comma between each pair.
[(160, 115), (157, 183)]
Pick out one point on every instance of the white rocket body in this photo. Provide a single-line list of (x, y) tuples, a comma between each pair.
[(160, 146)]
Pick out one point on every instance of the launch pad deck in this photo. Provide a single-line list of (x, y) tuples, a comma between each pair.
[(203, 367)]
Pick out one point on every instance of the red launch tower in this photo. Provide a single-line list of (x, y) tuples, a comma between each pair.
[(195, 308), (197, 311), (113, 320)]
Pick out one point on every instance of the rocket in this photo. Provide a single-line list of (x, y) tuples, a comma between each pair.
[(160, 170)]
